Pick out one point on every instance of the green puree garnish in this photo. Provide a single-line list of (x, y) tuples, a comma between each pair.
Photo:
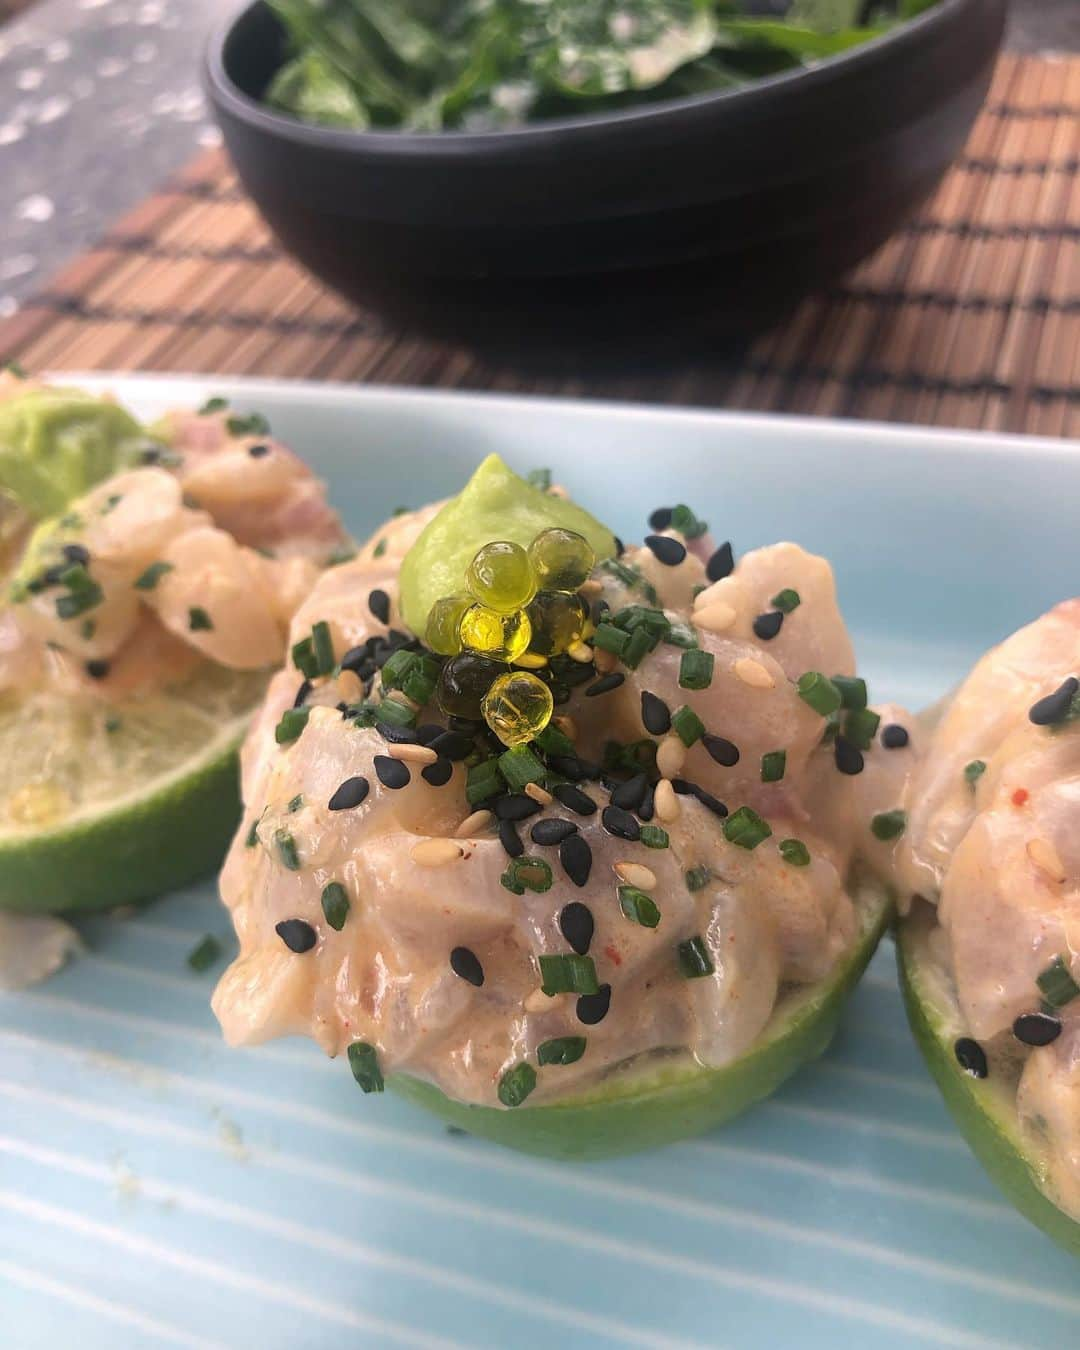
[(422, 65)]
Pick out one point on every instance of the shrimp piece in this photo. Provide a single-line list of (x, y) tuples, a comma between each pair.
[(217, 599)]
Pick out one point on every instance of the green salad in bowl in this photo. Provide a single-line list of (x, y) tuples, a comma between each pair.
[(430, 65)]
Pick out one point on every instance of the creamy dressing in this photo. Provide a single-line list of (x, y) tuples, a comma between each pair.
[(418, 890)]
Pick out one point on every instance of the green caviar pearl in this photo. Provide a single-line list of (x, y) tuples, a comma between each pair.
[(517, 707), (558, 621), (443, 631), (501, 577), (561, 559), (503, 637), (463, 682)]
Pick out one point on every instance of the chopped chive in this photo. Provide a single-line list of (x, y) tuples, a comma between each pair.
[(198, 620), (293, 721), (860, 728), (819, 692), (516, 1084), (323, 645), (697, 878), (113, 723), (205, 952), (531, 874), (853, 694), (638, 906), (379, 549), (286, 850), (641, 643), (507, 880), (14, 368), (295, 804), (482, 781), (1057, 984), (654, 836), (974, 771), (88, 596), (364, 1062), (608, 638), (252, 837), (539, 478), (87, 629), (687, 524), (419, 685), (394, 713), (254, 424), (696, 669), (340, 555), (146, 581), (568, 973), (304, 659), (213, 405), (786, 600), (795, 852), (397, 667), (681, 635), (687, 725), (746, 828), (335, 905), (520, 766), (111, 503), (888, 825), (561, 1050), (553, 742), (773, 766), (694, 959)]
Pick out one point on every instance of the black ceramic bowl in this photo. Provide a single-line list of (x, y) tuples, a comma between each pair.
[(692, 218)]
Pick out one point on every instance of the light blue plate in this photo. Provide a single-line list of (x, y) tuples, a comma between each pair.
[(157, 1188)]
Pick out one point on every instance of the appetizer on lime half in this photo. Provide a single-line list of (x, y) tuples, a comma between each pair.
[(148, 583), (988, 950), (570, 843)]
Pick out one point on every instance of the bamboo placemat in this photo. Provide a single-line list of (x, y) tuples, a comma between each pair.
[(968, 317)]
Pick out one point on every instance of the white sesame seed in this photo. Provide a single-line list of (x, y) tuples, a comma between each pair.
[(435, 852), (753, 673), (715, 618), (636, 874), (538, 794), (665, 802), (412, 754), (1046, 858), (670, 757), (477, 823), (580, 652)]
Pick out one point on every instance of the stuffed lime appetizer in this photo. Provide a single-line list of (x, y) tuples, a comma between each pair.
[(149, 577), (990, 870), (572, 844)]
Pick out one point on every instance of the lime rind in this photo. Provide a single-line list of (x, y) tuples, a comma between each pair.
[(646, 1108), (984, 1109)]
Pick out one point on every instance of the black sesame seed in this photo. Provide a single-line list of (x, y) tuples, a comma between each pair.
[(437, 774), (684, 787), (620, 547), (428, 732), (576, 926), (722, 751), (379, 604), (593, 1008), (297, 935), (453, 745), (655, 714), (971, 1057), (647, 809), (510, 839), (569, 766), (356, 659), (1055, 707), (620, 823), (605, 684), (711, 803), (552, 831), (629, 795), (351, 793), (396, 735), (666, 550), (76, 553), (301, 694), (849, 758), (468, 725), (894, 736), (766, 626), (258, 451), (575, 799), (576, 858), (391, 773), (97, 670), (660, 518), (515, 806), (465, 963), (1037, 1028), (721, 564)]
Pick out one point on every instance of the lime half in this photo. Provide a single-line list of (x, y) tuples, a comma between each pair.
[(103, 804)]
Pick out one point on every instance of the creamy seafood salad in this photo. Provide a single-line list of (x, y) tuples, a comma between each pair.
[(529, 807), (992, 844)]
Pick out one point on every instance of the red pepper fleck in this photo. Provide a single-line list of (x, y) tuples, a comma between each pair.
[(612, 954), (1020, 797)]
